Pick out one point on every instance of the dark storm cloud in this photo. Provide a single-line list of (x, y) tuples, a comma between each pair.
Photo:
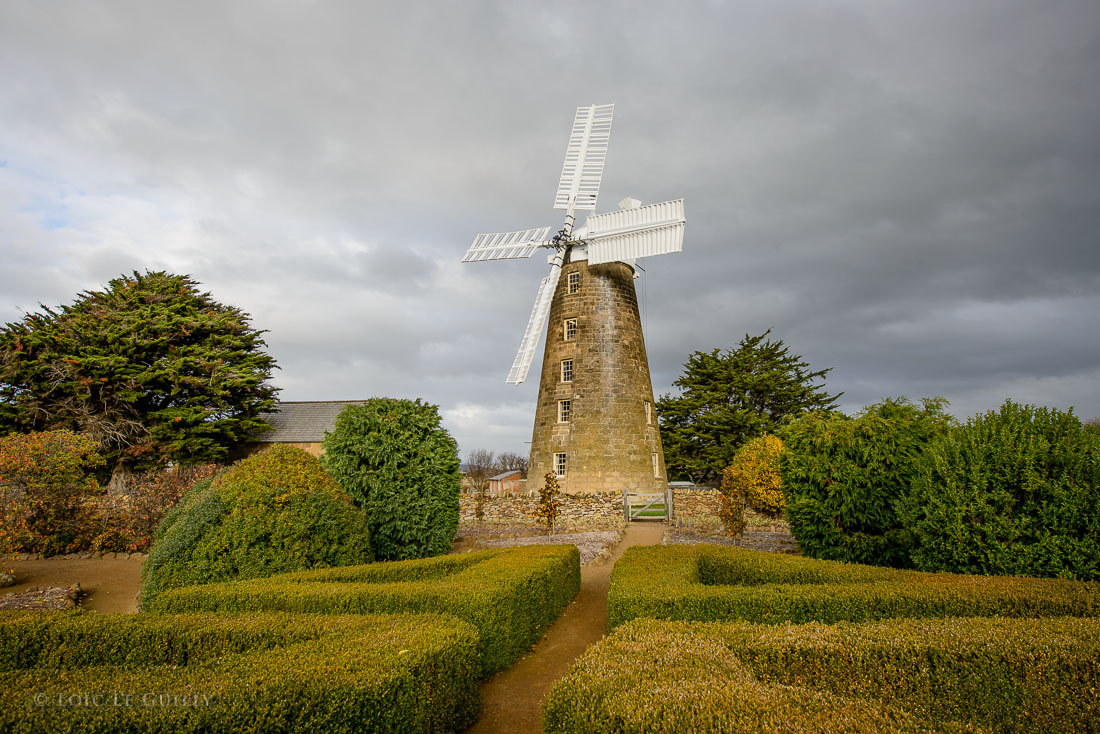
[(906, 193)]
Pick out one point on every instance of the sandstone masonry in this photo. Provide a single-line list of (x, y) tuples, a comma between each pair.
[(596, 407), (603, 511), (693, 508)]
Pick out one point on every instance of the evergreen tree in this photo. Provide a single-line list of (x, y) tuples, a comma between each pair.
[(843, 478), (398, 463), (151, 368), (728, 397)]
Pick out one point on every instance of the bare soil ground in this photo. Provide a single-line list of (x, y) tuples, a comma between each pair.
[(108, 584)]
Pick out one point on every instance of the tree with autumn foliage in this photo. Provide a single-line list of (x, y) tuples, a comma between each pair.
[(753, 480), (728, 397), (151, 368), (44, 482), (549, 504)]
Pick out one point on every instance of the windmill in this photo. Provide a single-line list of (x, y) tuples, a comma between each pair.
[(595, 425)]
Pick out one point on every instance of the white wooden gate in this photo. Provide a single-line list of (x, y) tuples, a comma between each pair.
[(647, 505)]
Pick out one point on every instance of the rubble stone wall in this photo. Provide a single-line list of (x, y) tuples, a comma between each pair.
[(580, 512), (694, 508)]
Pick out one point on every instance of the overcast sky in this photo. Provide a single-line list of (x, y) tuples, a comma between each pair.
[(907, 193)]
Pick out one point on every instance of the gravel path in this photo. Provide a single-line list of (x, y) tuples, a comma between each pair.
[(761, 540), (590, 544)]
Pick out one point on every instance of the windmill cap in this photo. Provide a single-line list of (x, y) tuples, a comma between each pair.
[(629, 203)]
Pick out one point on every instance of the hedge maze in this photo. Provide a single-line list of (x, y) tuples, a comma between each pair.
[(727, 640), (70, 671), (511, 596), (377, 648), (707, 583)]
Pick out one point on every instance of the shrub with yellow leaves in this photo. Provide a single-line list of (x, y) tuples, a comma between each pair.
[(752, 479)]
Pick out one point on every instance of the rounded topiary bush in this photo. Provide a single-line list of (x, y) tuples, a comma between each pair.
[(1011, 492), (275, 511), (842, 479), (401, 467)]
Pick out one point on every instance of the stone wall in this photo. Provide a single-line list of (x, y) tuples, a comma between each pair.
[(602, 511), (313, 447), (696, 509)]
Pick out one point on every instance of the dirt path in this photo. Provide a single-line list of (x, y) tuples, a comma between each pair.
[(511, 700), (109, 584)]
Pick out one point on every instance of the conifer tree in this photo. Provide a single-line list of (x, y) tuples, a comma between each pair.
[(728, 397), (150, 367)]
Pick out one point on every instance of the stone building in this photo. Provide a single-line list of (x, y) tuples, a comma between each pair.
[(301, 423), (595, 422)]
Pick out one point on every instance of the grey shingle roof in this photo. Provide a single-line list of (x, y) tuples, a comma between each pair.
[(505, 475), (304, 421)]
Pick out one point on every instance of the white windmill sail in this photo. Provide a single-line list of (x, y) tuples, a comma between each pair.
[(585, 155), (634, 232), (643, 231), (522, 365), (506, 245)]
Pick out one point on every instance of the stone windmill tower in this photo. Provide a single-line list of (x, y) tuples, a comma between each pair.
[(595, 423)]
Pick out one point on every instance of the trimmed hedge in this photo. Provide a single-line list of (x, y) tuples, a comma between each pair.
[(66, 671), (708, 583), (510, 595), (881, 677), (269, 513)]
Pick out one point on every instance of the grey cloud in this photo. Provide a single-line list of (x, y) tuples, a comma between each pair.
[(907, 193)]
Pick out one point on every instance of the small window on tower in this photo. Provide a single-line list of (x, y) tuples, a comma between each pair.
[(648, 413), (564, 407), (570, 329), (567, 370), (559, 465), (574, 282), (656, 466)]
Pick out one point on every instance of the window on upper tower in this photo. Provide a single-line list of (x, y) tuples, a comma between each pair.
[(656, 466), (648, 413), (569, 329), (567, 370), (564, 408), (559, 465), (574, 282)]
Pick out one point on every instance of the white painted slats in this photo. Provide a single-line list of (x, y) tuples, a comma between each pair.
[(654, 229), (506, 245), (634, 245), (640, 217), (530, 342), (585, 156)]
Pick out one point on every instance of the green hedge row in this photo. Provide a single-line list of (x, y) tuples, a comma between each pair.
[(942, 675), (510, 595), (708, 583), (66, 671)]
